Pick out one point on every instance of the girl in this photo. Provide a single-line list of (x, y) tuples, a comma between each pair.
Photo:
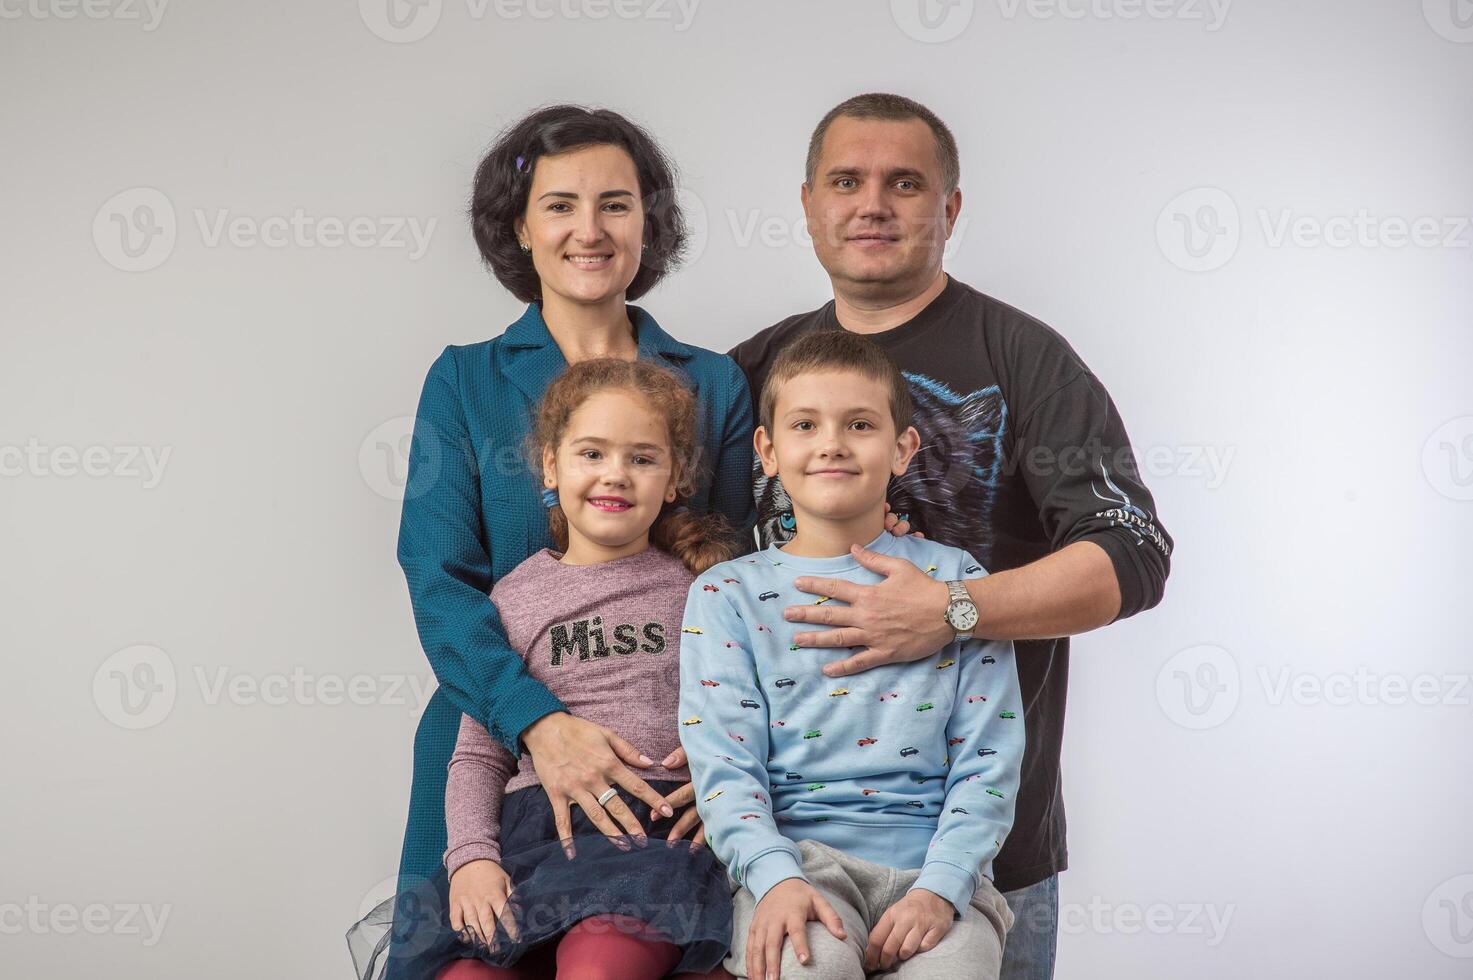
[(526, 886)]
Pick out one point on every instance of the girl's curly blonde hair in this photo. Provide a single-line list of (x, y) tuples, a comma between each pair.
[(698, 540)]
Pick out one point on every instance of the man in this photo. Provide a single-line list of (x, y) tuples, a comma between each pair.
[(1024, 462)]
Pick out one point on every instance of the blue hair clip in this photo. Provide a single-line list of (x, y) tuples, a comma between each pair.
[(522, 166), (549, 497), (679, 510)]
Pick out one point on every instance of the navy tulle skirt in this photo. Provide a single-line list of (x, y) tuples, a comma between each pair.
[(677, 887)]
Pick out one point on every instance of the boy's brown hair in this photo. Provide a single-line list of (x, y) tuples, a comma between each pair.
[(836, 350)]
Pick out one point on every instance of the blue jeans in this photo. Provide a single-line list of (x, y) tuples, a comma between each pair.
[(1029, 951)]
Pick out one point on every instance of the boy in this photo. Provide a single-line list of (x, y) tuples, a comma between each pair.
[(874, 805)]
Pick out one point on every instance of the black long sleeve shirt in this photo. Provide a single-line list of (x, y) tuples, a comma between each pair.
[(1022, 453)]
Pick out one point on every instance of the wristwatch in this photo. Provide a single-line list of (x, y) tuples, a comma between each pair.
[(961, 612)]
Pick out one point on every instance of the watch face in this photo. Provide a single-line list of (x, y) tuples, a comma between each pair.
[(962, 615)]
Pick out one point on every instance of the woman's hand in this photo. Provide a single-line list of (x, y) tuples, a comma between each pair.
[(577, 761), (684, 796), (897, 525), (478, 894)]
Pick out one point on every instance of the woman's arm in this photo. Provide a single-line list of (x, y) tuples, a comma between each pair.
[(449, 571), (731, 472)]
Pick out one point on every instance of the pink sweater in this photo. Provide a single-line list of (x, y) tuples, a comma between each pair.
[(606, 640)]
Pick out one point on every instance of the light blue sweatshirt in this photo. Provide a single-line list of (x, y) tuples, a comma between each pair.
[(908, 765)]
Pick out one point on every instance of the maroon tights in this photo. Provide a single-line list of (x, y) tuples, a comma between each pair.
[(604, 947)]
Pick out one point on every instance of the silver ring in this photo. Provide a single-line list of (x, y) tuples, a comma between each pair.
[(609, 794)]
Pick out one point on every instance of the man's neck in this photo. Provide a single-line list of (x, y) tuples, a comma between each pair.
[(869, 312), (587, 330), (820, 537)]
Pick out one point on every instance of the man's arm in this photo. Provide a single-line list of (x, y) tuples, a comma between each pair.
[(726, 743), (1111, 559)]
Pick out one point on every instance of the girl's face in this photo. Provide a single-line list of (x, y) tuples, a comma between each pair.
[(613, 469), (584, 223)]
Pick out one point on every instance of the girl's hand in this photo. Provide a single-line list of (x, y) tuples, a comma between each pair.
[(478, 895), (784, 913), (684, 796), (577, 761), (912, 925), (896, 526)]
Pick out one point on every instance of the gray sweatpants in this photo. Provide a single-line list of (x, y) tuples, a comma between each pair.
[(860, 891)]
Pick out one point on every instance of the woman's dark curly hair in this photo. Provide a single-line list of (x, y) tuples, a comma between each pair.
[(504, 180)]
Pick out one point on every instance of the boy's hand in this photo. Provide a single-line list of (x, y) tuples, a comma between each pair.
[(897, 525), (478, 895), (784, 912), (914, 924)]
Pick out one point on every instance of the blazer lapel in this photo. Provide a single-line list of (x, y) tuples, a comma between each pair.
[(535, 358)]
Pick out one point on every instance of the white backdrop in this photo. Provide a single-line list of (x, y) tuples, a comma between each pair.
[(234, 240)]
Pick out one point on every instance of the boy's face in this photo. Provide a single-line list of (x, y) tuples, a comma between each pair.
[(833, 441)]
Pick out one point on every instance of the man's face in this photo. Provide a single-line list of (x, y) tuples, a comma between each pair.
[(876, 209), (833, 441)]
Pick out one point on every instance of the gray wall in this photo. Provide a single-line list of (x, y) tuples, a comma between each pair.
[(1252, 220)]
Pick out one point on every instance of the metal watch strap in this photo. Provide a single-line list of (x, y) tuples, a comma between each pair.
[(958, 592)]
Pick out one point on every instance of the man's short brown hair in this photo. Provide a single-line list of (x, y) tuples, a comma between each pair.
[(836, 350), (895, 108)]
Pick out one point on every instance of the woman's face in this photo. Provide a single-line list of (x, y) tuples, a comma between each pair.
[(612, 469), (585, 223)]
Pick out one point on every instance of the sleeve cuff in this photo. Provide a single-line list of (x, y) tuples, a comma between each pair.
[(769, 869), (466, 853), (948, 881), (508, 728)]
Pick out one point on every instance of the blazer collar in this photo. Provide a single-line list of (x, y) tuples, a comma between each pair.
[(537, 359)]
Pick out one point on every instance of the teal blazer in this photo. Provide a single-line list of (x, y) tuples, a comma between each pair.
[(473, 511)]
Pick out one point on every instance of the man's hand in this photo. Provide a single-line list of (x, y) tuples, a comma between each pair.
[(478, 895), (912, 925), (896, 621), (785, 912), (684, 796)]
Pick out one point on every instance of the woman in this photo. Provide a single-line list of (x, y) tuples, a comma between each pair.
[(574, 211)]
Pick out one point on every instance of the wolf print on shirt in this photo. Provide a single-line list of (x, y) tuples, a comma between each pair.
[(960, 458)]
